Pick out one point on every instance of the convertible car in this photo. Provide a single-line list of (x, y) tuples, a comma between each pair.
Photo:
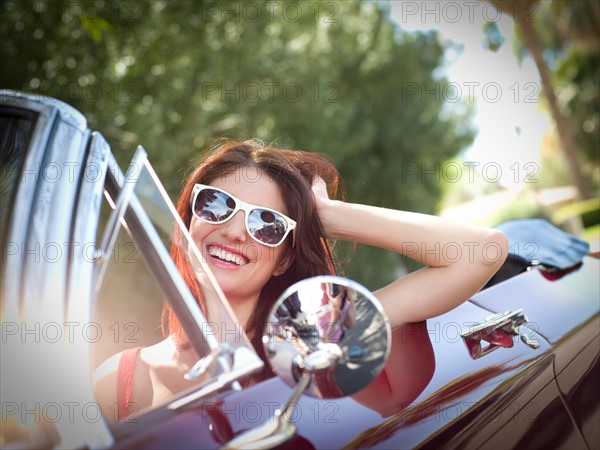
[(515, 366)]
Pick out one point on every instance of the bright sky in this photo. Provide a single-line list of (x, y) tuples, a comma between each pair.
[(508, 116)]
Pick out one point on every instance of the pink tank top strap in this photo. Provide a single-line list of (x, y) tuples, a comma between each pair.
[(125, 375)]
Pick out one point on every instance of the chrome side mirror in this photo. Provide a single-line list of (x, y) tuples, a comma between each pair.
[(327, 336), (331, 328)]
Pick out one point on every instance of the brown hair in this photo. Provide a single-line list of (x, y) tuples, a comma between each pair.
[(312, 255)]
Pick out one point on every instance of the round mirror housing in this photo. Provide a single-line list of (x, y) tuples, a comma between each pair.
[(331, 328)]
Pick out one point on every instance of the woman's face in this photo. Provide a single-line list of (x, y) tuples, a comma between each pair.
[(240, 264)]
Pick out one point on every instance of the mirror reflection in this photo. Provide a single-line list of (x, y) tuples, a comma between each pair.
[(331, 327)]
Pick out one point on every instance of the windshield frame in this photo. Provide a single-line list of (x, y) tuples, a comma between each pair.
[(131, 214)]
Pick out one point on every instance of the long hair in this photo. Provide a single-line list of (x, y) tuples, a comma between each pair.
[(294, 172)]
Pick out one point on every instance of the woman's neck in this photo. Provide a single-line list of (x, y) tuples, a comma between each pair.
[(243, 311), (242, 308)]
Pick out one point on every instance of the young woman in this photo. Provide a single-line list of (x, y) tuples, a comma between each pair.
[(262, 218)]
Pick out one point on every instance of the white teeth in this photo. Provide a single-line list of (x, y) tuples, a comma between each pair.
[(220, 253)]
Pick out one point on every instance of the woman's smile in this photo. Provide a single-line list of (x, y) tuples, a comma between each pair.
[(225, 257)]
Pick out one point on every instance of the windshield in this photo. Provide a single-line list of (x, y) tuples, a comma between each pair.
[(169, 270)]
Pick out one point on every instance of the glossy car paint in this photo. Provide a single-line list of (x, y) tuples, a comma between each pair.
[(505, 399), (554, 308)]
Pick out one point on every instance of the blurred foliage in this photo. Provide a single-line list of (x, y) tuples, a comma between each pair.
[(578, 80), (587, 210), (573, 50), (592, 234), (334, 77), (463, 184), (554, 170), (524, 206), (569, 35)]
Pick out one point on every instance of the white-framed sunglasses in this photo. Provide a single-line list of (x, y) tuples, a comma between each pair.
[(265, 225)]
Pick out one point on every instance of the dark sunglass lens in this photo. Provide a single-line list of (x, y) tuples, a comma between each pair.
[(267, 226), (213, 206), (267, 216)]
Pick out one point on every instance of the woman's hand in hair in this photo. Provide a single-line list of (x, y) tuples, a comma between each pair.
[(324, 205)]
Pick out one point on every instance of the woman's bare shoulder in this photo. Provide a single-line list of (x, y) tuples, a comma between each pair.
[(104, 382), (107, 371), (153, 376), (106, 379)]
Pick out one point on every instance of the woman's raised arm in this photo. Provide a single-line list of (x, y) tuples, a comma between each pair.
[(460, 257)]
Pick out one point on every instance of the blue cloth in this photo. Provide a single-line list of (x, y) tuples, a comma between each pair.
[(538, 239)]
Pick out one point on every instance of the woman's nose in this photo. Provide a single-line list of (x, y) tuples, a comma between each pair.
[(235, 228)]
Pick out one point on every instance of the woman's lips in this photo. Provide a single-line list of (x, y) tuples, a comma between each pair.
[(225, 257)]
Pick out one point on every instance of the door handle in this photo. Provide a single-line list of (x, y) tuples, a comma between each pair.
[(497, 331)]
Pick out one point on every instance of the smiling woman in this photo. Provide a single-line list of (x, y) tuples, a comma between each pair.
[(243, 175), (262, 219)]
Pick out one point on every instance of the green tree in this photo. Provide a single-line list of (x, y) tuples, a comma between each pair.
[(563, 39), (334, 77)]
